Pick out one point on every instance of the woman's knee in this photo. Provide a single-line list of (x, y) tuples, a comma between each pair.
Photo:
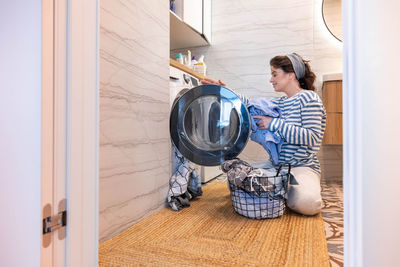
[(305, 196), (304, 201), (306, 205)]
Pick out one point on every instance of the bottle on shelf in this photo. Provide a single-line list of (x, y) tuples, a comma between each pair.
[(194, 61), (189, 56), (200, 66), (179, 58)]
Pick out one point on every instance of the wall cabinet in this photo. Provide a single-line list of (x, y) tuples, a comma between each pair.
[(207, 20), (332, 99), (193, 14), (190, 24)]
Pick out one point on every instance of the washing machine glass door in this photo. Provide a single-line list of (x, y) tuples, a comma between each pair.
[(209, 124)]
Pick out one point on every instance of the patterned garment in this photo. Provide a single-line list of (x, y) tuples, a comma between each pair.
[(185, 183), (302, 126), (237, 170), (258, 183)]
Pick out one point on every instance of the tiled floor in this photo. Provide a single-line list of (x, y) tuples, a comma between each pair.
[(331, 159), (332, 213)]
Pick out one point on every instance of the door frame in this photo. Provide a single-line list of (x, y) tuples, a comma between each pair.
[(54, 125), (82, 132), (70, 128)]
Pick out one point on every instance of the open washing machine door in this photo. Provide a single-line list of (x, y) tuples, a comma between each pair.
[(209, 124)]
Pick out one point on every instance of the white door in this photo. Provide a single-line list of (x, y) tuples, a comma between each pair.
[(20, 133)]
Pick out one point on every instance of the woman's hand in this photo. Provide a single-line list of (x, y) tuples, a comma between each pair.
[(263, 122), (212, 81)]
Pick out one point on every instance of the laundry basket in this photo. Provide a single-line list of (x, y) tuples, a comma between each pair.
[(256, 202)]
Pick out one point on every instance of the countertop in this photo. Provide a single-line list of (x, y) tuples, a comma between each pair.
[(332, 77)]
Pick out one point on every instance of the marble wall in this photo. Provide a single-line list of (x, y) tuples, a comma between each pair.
[(246, 34), (134, 111)]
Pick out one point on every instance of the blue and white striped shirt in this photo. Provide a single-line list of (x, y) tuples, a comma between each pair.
[(302, 126)]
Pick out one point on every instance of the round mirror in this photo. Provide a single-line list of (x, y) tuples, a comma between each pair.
[(332, 14)]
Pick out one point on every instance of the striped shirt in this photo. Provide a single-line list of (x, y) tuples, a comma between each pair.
[(302, 126)]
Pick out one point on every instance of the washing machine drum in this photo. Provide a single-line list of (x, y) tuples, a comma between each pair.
[(209, 124)]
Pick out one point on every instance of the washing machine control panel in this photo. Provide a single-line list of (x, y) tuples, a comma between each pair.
[(179, 80)]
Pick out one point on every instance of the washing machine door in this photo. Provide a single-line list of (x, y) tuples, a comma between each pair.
[(209, 124)]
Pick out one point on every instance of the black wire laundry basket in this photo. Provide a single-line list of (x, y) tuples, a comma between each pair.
[(262, 197)]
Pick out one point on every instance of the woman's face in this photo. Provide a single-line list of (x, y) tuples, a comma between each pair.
[(280, 80)]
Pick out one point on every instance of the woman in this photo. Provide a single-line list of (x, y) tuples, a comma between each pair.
[(301, 126)]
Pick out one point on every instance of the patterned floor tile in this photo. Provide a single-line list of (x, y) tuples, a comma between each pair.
[(332, 213)]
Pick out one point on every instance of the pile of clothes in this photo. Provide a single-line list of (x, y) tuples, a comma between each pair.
[(256, 193)]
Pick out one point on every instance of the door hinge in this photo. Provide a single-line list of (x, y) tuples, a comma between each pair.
[(52, 223)]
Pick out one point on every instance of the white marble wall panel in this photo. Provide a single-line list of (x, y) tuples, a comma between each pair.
[(134, 106), (246, 34)]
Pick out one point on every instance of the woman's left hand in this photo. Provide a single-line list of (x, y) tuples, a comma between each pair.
[(212, 81), (263, 122)]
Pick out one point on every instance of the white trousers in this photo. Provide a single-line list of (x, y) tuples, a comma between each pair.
[(305, 197)]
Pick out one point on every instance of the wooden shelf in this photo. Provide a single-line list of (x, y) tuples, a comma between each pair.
[(178, 65)]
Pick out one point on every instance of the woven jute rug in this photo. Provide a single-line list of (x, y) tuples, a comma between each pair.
[(210, 233)]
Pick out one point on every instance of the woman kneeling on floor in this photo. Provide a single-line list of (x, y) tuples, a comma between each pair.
[(301, 127)]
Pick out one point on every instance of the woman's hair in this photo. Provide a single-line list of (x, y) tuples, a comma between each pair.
[(284, 63)]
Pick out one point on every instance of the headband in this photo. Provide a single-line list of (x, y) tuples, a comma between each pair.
[(298, 65)]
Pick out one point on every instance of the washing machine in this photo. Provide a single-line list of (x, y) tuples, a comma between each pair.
[(208, 123), (179, 83)]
